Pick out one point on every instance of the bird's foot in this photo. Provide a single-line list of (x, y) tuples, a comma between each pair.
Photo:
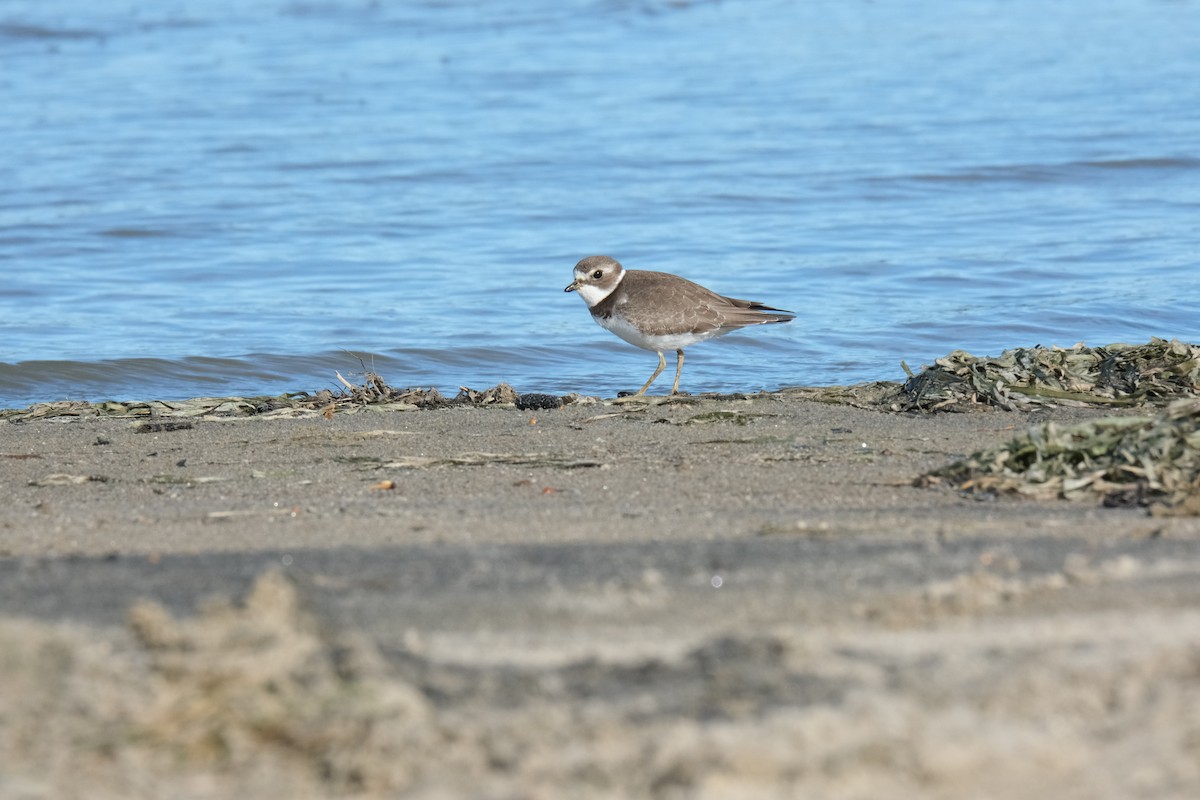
[(625, 398)]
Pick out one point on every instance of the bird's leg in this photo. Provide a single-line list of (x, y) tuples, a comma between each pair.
[(662, 364), (678, 370)]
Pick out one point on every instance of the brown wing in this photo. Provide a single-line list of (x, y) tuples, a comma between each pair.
[(699, 310)]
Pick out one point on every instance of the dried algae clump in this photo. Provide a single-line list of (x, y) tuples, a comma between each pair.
[(1019, 379), (374, 394), (1139, 460)]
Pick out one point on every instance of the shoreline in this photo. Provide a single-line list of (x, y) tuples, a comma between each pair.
[(799, 459)]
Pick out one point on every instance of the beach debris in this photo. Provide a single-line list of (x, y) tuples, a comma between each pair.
[(711, 417), (186, 480), (64, 479), (382, 486), (1115, 375), (247, 513), (577, 399), (534, 401), (545, 490), (480, 459), (626, 411), (62, 408), (500, 393), (164, 427), (1150, 460), (873, 395), (374, 394)]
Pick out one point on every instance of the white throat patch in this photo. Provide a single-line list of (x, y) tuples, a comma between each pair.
[(594, 295)]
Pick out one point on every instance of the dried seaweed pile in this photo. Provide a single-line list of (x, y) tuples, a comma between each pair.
[(1145, 460), (374, 394), (1116, 375)]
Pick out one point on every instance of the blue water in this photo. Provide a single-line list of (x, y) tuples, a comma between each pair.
[(224, 198)]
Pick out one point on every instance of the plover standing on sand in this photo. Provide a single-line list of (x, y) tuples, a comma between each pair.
[(659, 311)]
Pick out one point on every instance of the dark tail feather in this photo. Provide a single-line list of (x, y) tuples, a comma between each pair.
[(758, 313)]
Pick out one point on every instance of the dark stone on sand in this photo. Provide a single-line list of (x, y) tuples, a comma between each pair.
[(530, 402)]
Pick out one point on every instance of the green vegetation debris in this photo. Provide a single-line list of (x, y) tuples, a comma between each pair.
[(1136, 460), (1116, 375)]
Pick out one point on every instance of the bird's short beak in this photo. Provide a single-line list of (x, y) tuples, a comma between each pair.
[(574, 285)]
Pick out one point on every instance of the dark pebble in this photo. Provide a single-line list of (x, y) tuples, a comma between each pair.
[(527, 402)]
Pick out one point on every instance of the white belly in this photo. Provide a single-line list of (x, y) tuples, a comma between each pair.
[(674, 341)]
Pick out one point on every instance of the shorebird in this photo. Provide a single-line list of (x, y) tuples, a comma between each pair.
[(658, 311)]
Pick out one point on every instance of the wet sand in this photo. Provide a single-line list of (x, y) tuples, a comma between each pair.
[(715, 598)]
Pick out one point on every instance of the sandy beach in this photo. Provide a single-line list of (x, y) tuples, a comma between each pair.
[(719, 597)]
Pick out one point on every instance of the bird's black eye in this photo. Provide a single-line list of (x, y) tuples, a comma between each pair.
[(598, 274)]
